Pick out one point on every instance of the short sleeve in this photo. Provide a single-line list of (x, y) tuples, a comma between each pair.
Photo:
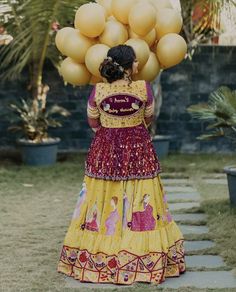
[(149, 109), (92, 110)]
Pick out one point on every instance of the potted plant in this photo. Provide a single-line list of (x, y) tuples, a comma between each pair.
[(220, 112), (32, 26), (32, 119)]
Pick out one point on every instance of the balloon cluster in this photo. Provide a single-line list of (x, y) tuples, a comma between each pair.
[(151, 27)]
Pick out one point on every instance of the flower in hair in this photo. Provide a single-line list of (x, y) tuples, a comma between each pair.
[(115, 63), (121, 68)]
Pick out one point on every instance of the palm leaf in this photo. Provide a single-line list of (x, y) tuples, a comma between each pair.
[(219, 124), (30, 22), (207, 26), (220, 112), (201, 111), (56, 109), (212, 135)]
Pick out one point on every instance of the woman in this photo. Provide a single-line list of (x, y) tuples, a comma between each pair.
[(135, 239)]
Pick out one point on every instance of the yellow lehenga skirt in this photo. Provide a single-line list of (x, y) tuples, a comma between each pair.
[(122, 232)]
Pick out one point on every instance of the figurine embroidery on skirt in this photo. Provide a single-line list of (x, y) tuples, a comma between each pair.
[(113, 217), (143, 220)]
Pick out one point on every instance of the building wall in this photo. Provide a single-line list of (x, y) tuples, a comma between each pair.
[(189, 83), (183, 85)]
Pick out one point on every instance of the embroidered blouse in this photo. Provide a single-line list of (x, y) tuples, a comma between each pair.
[(122, 147)]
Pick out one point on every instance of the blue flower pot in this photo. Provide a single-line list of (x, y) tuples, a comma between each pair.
[(39, 154), (231, 177), (161, 144)]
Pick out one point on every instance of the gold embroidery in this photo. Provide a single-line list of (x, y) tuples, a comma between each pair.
[(136, 89), (149, 110), (92, 112)]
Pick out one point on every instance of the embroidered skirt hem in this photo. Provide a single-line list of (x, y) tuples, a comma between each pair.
[(150, 257)]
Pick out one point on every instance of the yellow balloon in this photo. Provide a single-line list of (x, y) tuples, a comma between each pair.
[(76, 45), (145, 2), (94, 57), (168, 21), (60, 38), (90, 19), (106, 4), (115, 33), (142, 18), (149, 38), (121, 9), (141, 49), (171, 50), (111, 18), (150, 70), (74, 73), (94, 80), (162, 4), (153, 48)]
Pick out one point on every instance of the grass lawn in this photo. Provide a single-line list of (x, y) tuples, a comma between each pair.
[(37, 205)]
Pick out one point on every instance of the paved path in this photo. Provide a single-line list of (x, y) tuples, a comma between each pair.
[(204, 270)]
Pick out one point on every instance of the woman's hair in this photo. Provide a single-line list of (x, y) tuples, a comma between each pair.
[(115, 199), (145, 196), (119, 59)]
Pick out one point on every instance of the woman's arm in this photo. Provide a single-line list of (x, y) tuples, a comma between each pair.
[(149, 109), (93, 112)]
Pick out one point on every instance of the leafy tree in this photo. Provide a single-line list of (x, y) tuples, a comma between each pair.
[(33, 25), (201, 20)]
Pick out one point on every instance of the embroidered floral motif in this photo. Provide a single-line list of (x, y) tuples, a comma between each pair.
[(113, 218), (83, 257), (112, 263), (99, 262), (125, 267), (144, 220), (72, 256), (126, 277)]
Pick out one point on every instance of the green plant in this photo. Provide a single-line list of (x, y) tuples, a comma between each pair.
[(33, 119), (33, 24), (201, 20), (220, 112)]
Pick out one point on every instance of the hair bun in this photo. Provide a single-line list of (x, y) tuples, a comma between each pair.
[(119, 61), (111, 70)]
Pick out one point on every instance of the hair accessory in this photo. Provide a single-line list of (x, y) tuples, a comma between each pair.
[(121, 68), (115, 63)]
